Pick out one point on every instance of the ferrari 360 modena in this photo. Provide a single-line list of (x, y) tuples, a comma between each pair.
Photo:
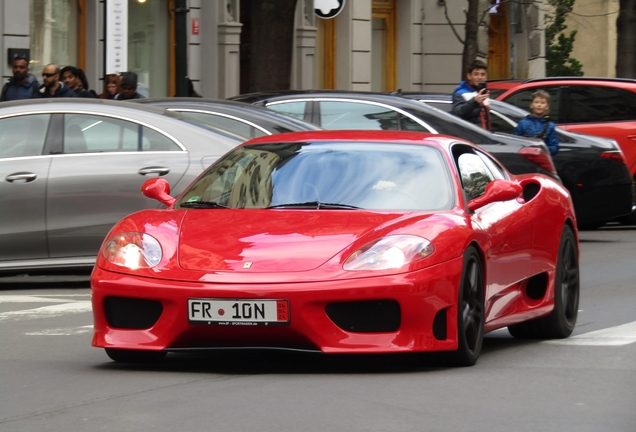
[(341, 242)]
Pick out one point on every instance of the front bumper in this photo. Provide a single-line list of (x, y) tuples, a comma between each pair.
[(427, 302)]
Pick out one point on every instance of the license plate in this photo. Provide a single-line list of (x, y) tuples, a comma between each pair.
[(238, 312)]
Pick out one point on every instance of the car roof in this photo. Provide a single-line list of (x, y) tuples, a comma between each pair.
[(305, 94), (404, 137)]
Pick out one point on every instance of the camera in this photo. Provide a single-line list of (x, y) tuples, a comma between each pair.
[(481, 86)]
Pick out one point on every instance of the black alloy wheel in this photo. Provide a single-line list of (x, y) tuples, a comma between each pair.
[(560, 322), (470, 312)]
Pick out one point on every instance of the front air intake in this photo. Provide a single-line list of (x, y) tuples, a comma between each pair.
[(131, 313), (371, 316)]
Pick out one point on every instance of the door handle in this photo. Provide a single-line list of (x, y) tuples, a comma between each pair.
[(631, 137), (26, 177), (162, 171)]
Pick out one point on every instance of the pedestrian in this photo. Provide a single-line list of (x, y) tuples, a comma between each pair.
[(111, 87), (471, 98), (75, 79), (52, 86), (537, 124), (128, 87), (23, 85), (191, 91)]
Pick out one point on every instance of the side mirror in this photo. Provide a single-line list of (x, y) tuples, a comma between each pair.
[(158, 189), (496, 190)]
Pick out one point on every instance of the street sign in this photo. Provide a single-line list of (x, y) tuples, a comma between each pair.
[(116, 36)]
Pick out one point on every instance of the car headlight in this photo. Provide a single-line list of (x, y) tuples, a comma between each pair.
[(133, 250), (391, 252)]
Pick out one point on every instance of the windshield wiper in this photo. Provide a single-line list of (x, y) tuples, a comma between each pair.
[(202, 204), (315, 205)]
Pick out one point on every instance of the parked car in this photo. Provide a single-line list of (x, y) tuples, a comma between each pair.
[(498, 87), (71, 168), (357, 110), (591, 168), (604, 107), (243, 119), (341, 242)]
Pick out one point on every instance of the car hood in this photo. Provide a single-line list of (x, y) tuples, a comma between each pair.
[(274, 240)]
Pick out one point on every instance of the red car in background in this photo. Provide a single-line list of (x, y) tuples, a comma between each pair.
[(341, 242), (604, 107)]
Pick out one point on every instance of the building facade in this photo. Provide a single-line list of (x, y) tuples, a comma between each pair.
[(370, 45)]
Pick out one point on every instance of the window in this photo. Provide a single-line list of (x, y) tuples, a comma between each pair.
[(54, 33), (592, 104), (235, 126), (474, 173), (23, 136), (89, 133), (293, 109), (352, 115), (523, 98)]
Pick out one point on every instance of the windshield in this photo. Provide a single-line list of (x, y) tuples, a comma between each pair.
[(347, 176)]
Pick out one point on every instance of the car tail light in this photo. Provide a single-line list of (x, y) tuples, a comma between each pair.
[(540, 157), (615, 155)]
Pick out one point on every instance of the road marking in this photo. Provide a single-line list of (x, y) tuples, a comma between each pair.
[(30, 299), (47, 311), (614, 336), (68, 331)]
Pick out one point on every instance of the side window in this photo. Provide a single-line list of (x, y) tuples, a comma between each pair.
[(89, 133), (592, 104), (408, 124), (152, 140), (496, 170), (523, 98), (22, 136), (352, 115), (474, 173), (293, 109), (501, 123), (235, 126)]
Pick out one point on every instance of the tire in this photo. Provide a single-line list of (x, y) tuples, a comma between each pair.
[(134, 356), (560, 322), (470, 312)]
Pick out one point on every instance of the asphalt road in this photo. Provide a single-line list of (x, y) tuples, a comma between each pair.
[(51, 379)]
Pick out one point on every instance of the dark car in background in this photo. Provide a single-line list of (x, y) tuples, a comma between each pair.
[(71, 168), (591, 167), (246, 120), (368, 111)]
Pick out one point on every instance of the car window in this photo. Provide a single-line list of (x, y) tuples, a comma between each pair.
[(353, 115), (22, 136), (233, 125), (293, 109), (523, 98), (85, 133), (495, 169), (474, 174), (408, 124), (500, 123), (592, 104)]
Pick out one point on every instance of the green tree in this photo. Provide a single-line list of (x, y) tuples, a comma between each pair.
[(559, 44)]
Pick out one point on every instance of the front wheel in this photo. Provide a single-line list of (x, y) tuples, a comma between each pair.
[(470, 312), (561, 321), (135, 356)]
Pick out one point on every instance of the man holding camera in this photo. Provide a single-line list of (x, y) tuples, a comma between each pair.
[(471, 98)]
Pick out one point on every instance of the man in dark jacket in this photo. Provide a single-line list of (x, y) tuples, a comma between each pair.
[(128, 86), (471, 99), (52, 86), (22, 85)]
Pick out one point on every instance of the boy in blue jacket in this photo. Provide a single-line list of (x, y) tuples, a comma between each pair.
[(537, 123)]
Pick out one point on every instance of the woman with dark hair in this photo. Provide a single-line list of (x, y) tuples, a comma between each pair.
[(111, 87), (76, 80)]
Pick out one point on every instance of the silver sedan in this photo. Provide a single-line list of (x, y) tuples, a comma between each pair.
[(71, 168)]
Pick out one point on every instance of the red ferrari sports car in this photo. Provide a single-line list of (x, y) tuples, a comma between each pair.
[(341, 242)]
